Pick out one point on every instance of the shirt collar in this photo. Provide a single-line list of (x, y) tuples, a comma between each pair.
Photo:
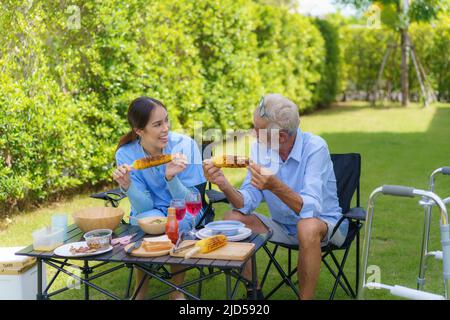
[(296, 152)]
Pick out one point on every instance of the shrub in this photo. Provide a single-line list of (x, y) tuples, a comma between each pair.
[(64, 90), (331, 82)]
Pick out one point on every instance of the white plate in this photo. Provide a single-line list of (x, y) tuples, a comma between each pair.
[(64, 250), (244, 233)]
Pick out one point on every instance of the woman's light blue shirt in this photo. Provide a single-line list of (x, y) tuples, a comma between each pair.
[(149, 192)]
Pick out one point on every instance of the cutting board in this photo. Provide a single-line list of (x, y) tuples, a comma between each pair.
[(231, 251), (141, 252)]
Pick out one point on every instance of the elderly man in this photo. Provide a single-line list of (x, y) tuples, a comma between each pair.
[(292, 172)]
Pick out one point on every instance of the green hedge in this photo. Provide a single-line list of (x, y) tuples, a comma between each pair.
[(331, 82), (432, 43), (64, 92)]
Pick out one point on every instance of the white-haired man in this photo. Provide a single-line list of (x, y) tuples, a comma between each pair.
[(299, 188)]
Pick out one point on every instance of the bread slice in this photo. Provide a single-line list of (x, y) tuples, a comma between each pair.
[(156, 247), (157, 240), (154, 244)]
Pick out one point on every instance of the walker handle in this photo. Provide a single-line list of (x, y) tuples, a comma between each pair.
[(446, 170), (400, 191)]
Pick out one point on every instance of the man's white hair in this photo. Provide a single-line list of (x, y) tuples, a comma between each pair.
[(280, 113)]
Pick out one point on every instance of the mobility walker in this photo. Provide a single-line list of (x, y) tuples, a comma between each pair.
[(428, 205), (397, 290)]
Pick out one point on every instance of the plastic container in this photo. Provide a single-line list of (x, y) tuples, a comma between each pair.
[(98, 239), (47, 239), (228, 228), (59, 221)]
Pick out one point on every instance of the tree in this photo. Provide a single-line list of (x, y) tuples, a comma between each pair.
[(397, 15), (285, 4)]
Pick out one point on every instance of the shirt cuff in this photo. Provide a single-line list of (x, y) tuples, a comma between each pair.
[(247, 208), (311, 207)]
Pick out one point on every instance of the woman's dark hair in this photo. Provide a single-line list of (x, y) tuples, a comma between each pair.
[(139, 113)]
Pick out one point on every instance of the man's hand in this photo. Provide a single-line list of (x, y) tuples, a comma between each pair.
[(262, 178), (214, 174)]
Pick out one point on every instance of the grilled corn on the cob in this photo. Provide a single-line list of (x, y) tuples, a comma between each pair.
[(152, 161), (208, 245), (224, 161)]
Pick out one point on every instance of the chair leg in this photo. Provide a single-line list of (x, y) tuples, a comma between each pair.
[(333, 273), (340, 266), (289, 260), (341, 273), (278, 286), (285, 278), (266, 272), (357, 263)]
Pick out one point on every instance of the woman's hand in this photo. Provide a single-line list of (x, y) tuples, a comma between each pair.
[(177, 165), (122, 176), (214, 174)]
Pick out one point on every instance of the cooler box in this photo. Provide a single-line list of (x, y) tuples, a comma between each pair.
[(18, 275)]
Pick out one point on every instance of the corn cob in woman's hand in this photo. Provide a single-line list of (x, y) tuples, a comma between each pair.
[(207, 245), (152, 161)]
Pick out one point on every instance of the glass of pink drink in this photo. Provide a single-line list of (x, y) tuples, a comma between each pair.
[(193, 206), (180, 208)]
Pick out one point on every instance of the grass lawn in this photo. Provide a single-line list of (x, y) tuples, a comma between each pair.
[(398, 146)]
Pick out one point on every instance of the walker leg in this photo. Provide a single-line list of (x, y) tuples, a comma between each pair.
[(424, 249)]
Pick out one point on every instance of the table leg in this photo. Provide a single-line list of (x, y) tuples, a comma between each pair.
[(228, 284), (86, 276), (200, 284), (130, 279), (39, 295)]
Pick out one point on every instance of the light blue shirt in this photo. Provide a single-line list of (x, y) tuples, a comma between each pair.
[(308, 171), (149, 192)]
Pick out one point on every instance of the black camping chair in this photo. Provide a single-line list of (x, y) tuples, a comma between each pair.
[(347, 169)]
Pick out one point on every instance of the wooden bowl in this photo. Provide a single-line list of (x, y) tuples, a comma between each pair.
[(149, 227), (89, 219)]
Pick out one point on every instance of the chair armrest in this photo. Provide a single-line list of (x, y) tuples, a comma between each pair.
[(356, 213), (110, 195), (215, 196)]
